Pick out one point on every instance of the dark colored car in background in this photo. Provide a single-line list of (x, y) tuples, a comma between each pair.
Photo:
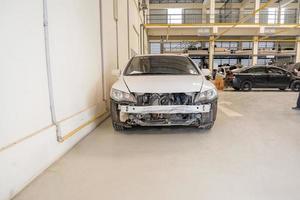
[(264, 77)]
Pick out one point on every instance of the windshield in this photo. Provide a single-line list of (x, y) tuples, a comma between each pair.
[(160, 65), (240, 69)]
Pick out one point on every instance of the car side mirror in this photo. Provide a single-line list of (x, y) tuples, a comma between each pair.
[(116, 72)]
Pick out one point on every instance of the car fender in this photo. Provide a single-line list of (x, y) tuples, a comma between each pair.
[(295, 79), (207, 85), (239, 79), (248, 78), (120, 85)]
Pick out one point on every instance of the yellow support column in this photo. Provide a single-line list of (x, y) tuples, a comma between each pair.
[(298, 50), (211, 52), (254, 50), (256, 7), (212, 5)]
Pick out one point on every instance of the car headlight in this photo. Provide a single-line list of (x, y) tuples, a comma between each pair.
[(118, 95), (207, 95)]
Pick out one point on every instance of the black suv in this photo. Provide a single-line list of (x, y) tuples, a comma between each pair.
[(264, 77)]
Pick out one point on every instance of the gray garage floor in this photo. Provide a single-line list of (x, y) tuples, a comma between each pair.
[(253, 152)]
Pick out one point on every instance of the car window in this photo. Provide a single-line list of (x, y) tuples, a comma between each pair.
[(160, 65), (276, 71), (256, 70)]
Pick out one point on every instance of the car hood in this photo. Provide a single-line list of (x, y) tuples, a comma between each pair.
[(164, 84)]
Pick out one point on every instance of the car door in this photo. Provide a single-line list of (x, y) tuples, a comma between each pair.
[(278, 78), (259, 76)]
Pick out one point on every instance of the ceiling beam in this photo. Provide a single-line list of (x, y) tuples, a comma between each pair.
[(244, 19), (279, 32), (285, 3), (205, 2), (245, 3)]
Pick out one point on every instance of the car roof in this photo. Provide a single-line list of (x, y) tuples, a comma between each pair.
[(257, 66), (278, 68), (156, 55), (241, 69)]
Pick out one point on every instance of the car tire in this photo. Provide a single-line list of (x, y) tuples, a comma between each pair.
[(207, 126), (118, 127), (246, 86), (295, 86), (282, 89)]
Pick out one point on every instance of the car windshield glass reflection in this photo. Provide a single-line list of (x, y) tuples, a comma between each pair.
[(160, 65), (257, 70), (276, 71)]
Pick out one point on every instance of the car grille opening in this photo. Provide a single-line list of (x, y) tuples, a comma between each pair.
[(151, 99)]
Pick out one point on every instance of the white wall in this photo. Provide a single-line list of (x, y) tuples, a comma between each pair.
[(28, 140), (109, 39), (123, 33), (23, 78), (134, 27), (129, 20), (75, 52)]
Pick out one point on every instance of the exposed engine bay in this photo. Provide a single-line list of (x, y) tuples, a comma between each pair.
[(163, 109), (148, 99)]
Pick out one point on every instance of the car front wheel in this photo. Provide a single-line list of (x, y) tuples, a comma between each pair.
[(115, 117), (118, 127), (236, 88), (282, 88), (295, 86), (207, 126), (246, 86)]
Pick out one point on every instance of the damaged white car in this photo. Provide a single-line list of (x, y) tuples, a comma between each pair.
[(163, 90)]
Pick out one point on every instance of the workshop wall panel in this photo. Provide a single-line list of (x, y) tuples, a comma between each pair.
[(24, 101), (75, 50)]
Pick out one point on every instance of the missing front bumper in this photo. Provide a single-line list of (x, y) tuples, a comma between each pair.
[(167, 109), (187, 115), (163, 115)]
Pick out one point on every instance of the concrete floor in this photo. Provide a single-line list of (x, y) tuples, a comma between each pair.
[(253, 152)]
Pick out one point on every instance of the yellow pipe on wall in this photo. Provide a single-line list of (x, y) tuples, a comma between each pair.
[(26, 137), (73, 132), (64, 138)]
